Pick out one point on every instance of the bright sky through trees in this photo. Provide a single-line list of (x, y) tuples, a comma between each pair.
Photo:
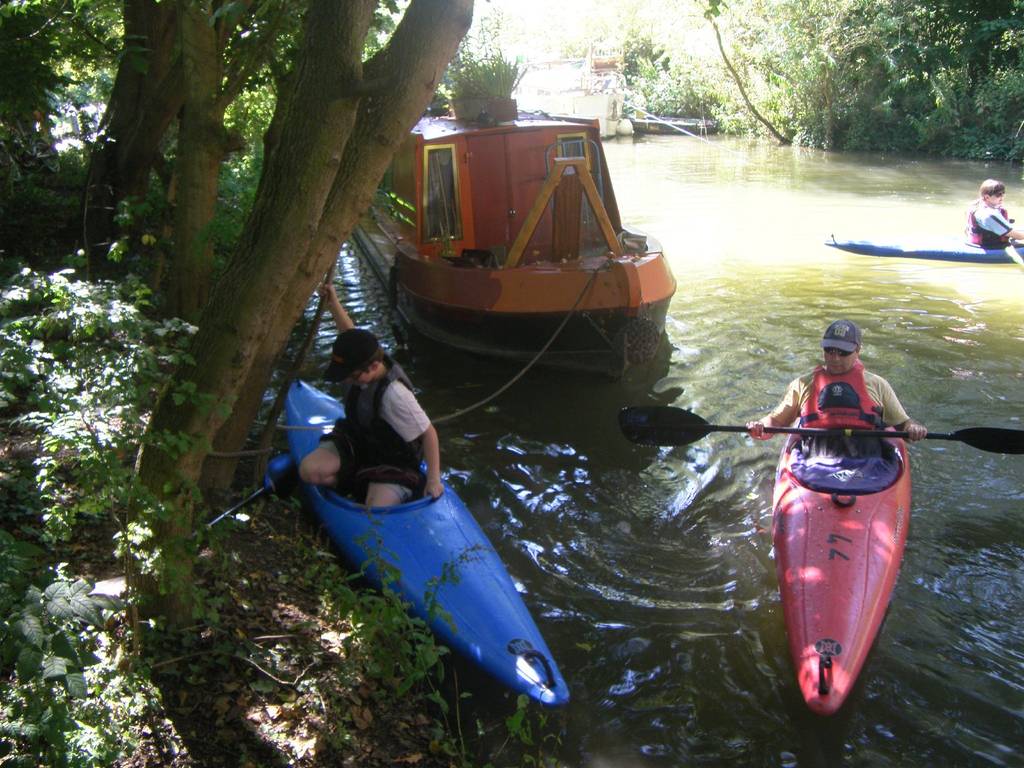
[(544, 29)]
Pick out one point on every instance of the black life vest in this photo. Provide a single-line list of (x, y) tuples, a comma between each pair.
[(986, 238), (380, 453), (840, 401)]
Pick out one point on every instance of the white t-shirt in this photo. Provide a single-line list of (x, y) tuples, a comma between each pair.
[(400, 409)]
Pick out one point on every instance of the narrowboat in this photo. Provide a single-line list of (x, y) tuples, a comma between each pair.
[(504, 239)]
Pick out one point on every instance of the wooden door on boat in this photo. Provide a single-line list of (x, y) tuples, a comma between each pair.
[(506, 172), (489, 185)]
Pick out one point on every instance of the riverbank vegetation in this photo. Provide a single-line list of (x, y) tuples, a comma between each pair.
[(938, 78), (175, 179)]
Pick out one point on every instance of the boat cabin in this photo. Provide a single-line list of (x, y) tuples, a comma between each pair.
[(500, 196)]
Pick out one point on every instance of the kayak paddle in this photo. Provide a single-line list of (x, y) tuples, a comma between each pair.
[(281, 478), (1015, 257), (666, 425)]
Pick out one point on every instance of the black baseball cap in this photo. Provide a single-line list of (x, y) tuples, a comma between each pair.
[(352, 350)]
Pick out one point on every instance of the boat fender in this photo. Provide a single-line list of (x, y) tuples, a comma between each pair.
[(640, 339)]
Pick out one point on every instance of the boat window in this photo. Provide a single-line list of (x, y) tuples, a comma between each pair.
[(442, 219), (578, 145), (573, 145)]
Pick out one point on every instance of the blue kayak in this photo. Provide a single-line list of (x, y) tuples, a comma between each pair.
[(444, 566), (938, 248)]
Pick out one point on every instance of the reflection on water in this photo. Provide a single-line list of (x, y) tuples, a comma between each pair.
[(650, 570)]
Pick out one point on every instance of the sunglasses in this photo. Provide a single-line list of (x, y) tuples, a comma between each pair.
[(837, 351)]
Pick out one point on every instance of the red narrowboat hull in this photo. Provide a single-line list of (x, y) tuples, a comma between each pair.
[(837, 560), (586, 312)]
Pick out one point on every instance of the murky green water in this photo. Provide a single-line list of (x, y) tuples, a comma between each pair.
[(650, 571)]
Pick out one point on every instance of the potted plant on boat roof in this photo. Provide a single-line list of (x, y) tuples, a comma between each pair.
[(485, 83)]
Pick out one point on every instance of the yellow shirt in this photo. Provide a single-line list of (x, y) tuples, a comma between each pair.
[(799, 390)]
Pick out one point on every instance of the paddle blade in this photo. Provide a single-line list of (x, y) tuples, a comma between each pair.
[(661, 425), (992, 439)]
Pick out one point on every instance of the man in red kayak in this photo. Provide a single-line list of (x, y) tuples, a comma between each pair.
[(839, 393), (378, 448), (988, 223)]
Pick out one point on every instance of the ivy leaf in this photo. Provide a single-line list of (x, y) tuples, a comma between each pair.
[(54, 666), (31, 628), (72, 602), (28, 662), (76, 686), (64, 647)]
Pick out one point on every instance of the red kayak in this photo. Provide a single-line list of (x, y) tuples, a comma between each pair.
[(839, 529)]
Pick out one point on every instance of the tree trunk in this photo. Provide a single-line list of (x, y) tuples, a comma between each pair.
[(743, 92), (411, 72), (290, 240), (201, 149), (147, 94)]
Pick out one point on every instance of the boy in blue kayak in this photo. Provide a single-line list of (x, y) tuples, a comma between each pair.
[(988, 223), (378, 448)]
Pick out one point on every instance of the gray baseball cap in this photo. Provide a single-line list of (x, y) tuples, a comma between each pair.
[(842, 334)]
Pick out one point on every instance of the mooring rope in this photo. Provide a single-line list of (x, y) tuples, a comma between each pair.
[(460, 412), (530, 364)]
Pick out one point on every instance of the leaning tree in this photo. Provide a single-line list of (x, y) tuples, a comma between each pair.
[(334, 132)]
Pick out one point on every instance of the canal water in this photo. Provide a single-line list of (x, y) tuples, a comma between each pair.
[(650, 571)]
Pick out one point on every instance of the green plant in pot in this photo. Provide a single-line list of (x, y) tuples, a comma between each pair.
[(485, 84)]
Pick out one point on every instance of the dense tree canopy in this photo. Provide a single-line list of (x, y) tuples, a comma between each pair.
[(943, 78), (153, 187)]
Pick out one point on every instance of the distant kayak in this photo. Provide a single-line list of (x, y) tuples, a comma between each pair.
[(438, 559), (936, 248)]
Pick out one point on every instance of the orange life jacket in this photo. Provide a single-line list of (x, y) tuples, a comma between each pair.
[(840, 401)]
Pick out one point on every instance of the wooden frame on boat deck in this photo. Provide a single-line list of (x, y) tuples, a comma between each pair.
[(561, 165)]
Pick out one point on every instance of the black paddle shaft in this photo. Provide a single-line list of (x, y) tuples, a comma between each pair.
[(666, 425)]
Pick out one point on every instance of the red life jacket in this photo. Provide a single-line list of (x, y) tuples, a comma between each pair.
[(840, 401), (984, 237)]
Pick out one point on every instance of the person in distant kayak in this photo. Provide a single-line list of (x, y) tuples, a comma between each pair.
[(839, 393), (377, 449), (988, 223)]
